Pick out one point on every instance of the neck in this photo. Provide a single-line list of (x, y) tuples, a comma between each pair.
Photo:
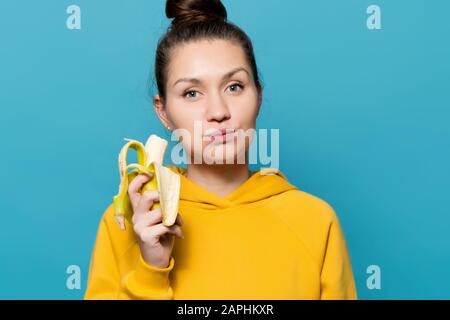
[(219, 179)]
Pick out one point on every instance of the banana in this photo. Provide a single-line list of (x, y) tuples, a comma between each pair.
[(149, 160)]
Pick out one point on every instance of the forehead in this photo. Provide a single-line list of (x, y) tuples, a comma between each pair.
[(205, 58)]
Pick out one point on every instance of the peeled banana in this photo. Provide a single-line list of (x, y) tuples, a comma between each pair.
[(149, 160)]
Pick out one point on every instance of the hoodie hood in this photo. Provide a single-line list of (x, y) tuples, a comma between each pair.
[(261, 184)]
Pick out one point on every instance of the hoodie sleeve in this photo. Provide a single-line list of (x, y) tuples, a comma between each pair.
[(337, 282), (144, 282), (147, 282)]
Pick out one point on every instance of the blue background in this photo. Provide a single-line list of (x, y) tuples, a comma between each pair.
[(363, 117)]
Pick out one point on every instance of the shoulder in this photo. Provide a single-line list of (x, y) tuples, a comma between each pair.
[(303, 205), (299, 203), (108, 217), (108, 227), (308, 216)]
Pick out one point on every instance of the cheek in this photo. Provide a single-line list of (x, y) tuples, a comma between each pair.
[(183, 116), (244, 110)]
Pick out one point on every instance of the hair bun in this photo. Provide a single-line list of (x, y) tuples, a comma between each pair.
[(191, 11)]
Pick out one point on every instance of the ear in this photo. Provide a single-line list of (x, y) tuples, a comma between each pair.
[(259, 90), (158, 106)]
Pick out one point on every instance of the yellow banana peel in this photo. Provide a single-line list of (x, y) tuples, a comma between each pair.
[(149, 161)]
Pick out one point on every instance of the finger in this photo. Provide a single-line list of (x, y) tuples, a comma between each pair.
[(176, 230), (158, 230), (178, 220), (135, 186), (146, 200), (148, 219)]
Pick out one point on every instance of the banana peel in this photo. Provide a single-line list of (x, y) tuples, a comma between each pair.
[(149, 161)]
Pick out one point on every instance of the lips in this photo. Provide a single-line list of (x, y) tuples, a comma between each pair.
[(218, 132), (218, 135)]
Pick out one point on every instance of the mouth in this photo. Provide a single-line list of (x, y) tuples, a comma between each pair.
[(221, 135)]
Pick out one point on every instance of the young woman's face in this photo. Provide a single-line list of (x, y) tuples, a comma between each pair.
[(210, 86)]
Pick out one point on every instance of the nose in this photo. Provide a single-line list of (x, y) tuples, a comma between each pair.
[(217, 109)]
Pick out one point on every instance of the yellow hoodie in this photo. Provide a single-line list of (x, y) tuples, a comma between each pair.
[(265, 240)]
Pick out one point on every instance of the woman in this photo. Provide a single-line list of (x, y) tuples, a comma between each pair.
[(241, 234)]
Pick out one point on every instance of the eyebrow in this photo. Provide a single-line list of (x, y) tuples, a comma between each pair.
[(227, 75)]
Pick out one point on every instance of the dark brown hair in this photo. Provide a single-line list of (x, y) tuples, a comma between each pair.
[(197, 20)]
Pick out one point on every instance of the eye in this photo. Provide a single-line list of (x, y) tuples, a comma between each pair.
[(236, 87), (190, 94)]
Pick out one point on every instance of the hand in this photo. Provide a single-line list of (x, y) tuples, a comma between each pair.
[(155, 239)]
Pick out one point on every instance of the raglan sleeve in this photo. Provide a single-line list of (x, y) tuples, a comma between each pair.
[(105, 281), (337, 280)]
